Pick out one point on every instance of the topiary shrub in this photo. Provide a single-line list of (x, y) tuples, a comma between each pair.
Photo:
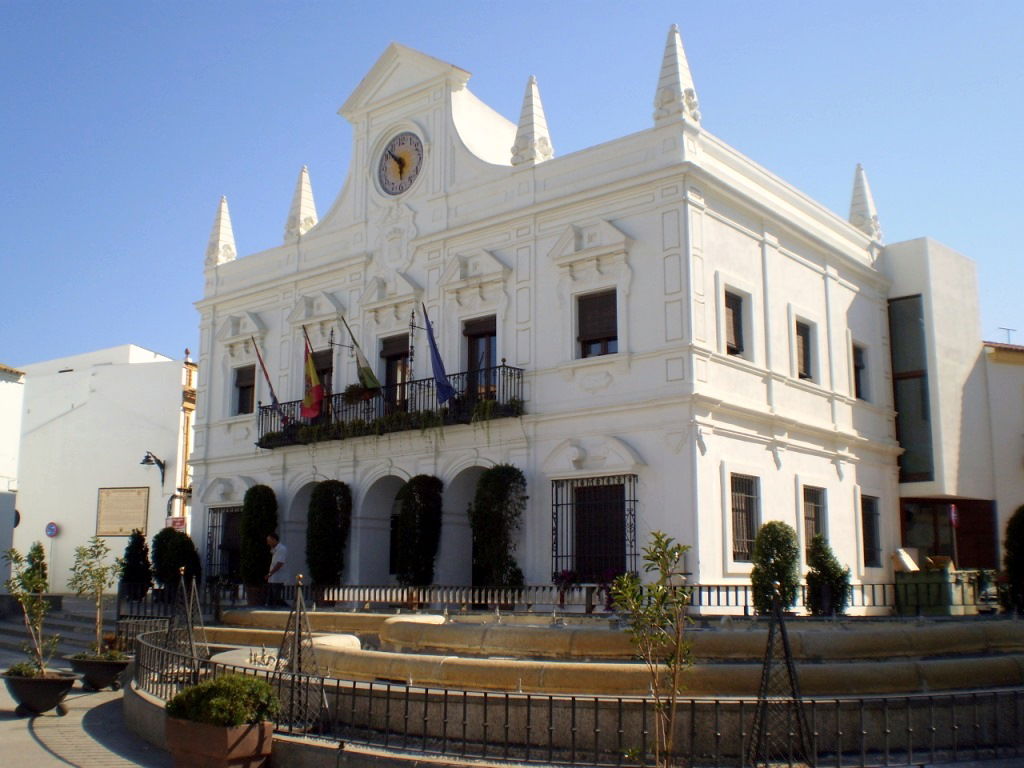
[(828, 582), (418, 530), (494, 517), (172, 550), (136, 571), (327, 527), (228, 700), (259, 520), (1013, 560), (776, 555)]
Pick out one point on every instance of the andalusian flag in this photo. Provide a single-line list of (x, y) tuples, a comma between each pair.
[(314, 398), (366, 375)]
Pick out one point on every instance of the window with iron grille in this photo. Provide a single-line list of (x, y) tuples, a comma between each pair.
[(245, 390), (224, 544), (869, 529), (745, 503), (593, 527), (860, 373), (598, 324), (814, 515)]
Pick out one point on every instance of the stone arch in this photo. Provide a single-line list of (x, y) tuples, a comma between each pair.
[(454, 563), (370, 540), (292, 527)]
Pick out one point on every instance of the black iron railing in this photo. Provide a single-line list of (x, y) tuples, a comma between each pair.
[(566, 729), (480, 396)]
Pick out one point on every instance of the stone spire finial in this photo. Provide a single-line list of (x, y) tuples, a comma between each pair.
[(533, 143), (221, 248), (302, 215), (863, 214), (676, 97)]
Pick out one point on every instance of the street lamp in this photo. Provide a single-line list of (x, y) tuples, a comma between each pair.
[(150, 460)]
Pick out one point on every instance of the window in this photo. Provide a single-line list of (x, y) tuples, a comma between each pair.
[(481, 356), (744, 516), (733, 323), (323, 362), (870, 532), (804, 358), (245, 389), (224, 544), (594, 527), (814, 515), (395, 353), (860, 377), (910, 388), (598, 324)]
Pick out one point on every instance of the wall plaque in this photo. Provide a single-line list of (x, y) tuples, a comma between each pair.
[(121, 510)]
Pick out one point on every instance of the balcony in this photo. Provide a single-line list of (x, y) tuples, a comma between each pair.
[(482, 395)]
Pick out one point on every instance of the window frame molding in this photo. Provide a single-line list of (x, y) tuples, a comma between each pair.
[(859, 492), (731, 566), (795, 316), (746, 292)]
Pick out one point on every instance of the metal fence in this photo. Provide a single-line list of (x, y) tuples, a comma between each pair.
[(614, 731)]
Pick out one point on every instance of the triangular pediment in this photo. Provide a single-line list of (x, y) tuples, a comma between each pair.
[(314, 307), (241, 326), (390, 289), (588, 239), (399, 71), (475, 265), (598, 455)]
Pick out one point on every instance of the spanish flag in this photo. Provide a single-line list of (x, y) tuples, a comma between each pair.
[(314, 398)]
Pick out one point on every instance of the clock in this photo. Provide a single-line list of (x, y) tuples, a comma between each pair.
[(400, 163)]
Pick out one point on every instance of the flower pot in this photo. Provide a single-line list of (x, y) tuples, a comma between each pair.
[(35, 695), (97, 674), (198, 745)]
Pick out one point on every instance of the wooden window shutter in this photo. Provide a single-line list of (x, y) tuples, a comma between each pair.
[(481, 326), (394, 346), (733, 324), (597, 317), (803, 350)]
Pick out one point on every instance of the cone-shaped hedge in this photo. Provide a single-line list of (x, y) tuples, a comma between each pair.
[(418, 531), (828, 582), (327, 527), (259, 520), (776, 556), (494, 517)]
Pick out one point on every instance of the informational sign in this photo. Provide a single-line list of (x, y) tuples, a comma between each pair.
[(119, 511), (177, 523), (52, 529)]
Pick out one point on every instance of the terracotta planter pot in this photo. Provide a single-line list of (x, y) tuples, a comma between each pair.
[(198, 745), (99, 673), (35, 695)]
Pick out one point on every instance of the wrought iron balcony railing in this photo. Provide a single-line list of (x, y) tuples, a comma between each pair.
[(480, 396)]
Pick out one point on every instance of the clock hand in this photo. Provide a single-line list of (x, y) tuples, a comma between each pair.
[(399, 162)]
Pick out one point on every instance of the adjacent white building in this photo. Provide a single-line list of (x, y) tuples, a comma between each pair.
[(12, 390), (669, 336), (88, 422)]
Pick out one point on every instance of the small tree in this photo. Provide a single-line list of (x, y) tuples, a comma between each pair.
[(776, 556), (419, 530), (27, 584), (172, 550), (657, 624), (828, 582), (494, 518), (327, 528), (259, 520), (92, 575), (1013, 559), (136, 571), (35, 565)]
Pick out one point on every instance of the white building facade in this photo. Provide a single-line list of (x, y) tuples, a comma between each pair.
[(672, 339), (12, 392), (87, 423)]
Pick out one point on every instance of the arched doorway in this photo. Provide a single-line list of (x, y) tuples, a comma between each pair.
[(370, 561), (454, 563), (293, 533)]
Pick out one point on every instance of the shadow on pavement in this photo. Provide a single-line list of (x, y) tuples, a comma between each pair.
[(105, 723)]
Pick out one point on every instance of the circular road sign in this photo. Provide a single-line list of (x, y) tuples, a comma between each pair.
[(52, 529)]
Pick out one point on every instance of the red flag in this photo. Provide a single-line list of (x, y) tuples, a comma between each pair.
[(314, 398)]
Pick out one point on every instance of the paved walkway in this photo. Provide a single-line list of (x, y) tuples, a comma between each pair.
[(92, 734)]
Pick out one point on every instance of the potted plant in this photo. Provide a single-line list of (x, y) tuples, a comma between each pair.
[(91, 576), (35, 688), (222, 722), (356, 392)]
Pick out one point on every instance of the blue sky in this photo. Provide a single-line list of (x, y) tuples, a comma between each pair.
[(124, 122)]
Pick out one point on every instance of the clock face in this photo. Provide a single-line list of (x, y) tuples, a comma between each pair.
[(400, 163)]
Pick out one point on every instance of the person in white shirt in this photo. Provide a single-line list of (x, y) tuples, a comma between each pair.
[(275, 576)]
